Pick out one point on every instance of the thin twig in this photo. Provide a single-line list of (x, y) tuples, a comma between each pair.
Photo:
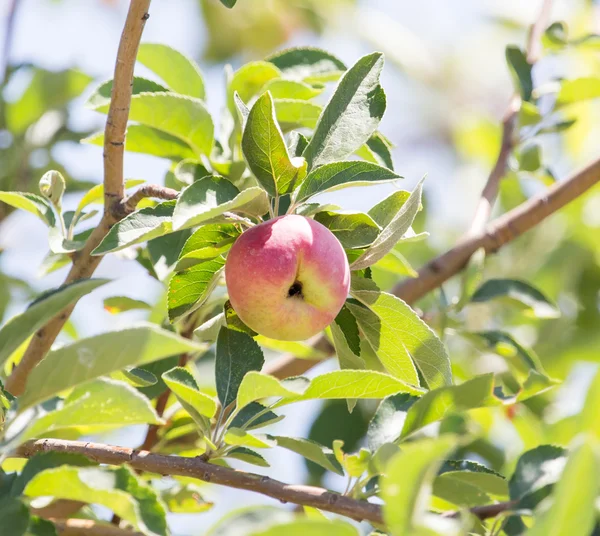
[(88, 527), (129, 204), (84, 263)]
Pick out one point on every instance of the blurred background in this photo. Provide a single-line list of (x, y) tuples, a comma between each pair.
[(447, 86)]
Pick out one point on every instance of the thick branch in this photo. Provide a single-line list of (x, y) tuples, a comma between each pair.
[(84, 263), (197, 468), (87, 527)]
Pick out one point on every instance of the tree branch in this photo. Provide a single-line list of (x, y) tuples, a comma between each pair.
[(84, 263), (143, 460), (8, 36), (87, 527), (129, 204)]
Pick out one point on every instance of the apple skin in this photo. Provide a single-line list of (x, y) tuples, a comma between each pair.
[(287, 278)]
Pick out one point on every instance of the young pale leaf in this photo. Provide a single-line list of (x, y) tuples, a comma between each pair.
[(102, 354), (408, 478), (520, 291), (312, 451), (208, 242), (237, 355), (140, 226), (296, 348), (189, 290), (520, 70), (401, 339), (185, 499), (95, 406), (384, 211), (292, 89), (256, 386), (396, 263), (210, 197), (236, 436), (341, 175), (352, 229), (248, 455), (435, 405), (190, 170), (296, 113), (135, 376), (265, 150), (393, 232), (183, 117), (120, 304), (352, 114), (249, 80), (179, 72), (574, 495), (386, 425), (314, 527), (184, 387), (590, 417), (577, 90), (308, 63), (17, 330), (101, 96), (118, 489), (530, 157), (148, 140), (36, 204)]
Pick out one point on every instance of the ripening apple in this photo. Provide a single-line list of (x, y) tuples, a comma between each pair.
[(287, 278)]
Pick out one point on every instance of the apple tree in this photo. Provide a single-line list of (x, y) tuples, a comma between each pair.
[(255, 264)]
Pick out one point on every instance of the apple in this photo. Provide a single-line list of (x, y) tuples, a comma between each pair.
[(287, 278)]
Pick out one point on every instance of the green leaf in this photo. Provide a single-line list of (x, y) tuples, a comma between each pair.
[(140, 226), (292, 89), (102, 94), (314, 527), (189, 171), (101, 404), (97, 356), (41, 527), (407, 480), (395, 263), (386, 425), (210, 197), (248, 455), (341, 175), (120, 304), (178, 71), (433, 406), (577, 90), (477, 475), (520, 291), (36, 204), (185, 499), (308, 63), (265, 150), (236, 436), (312, 451), (530, 157), (237, 355), (229, 3), (384, 211), (589, 416), (346, 340), (17, 330), (163, 252), (208, 242), (401, 340), (520, 70), (249, 80), (189, 289), (183, 117), (96, 194), (338, 384), (392, 232), (574, 496), (118, 489), (254, 415), (184, 387), (138, 377), (536, 469), (296, 113), (297, 143), (381, 147), (14, 516), (46, 91), (352, 229), (148, 140), (352, 114)]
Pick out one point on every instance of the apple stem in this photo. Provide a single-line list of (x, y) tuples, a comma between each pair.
[(277, 205)]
